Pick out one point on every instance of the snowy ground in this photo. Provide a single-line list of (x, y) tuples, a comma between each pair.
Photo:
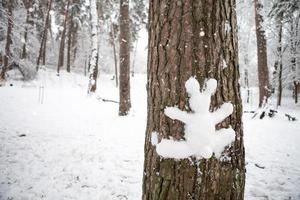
[(76, 147)]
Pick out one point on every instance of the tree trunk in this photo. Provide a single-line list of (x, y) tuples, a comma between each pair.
[(70, 31), (61, 54), (7, 55), (125, 103), (192, 38), (262, 62), (278, 63), (29, 22), (296, 88), (93, 63), (42, 49), (113, 43)]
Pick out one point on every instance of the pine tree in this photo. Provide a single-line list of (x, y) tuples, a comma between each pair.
[(192, 38)]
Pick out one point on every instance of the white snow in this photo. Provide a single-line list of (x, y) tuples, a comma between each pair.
[(202, 33), (201, 138), (76, 147)]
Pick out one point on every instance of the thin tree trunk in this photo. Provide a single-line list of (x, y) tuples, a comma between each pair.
[(93, 63), (134, 57), (61, 54), (69, 43), (44, 37), (125, 104), (191, 38), (278, 63), (7, 55), (262, 61), (113, 43), (296, 88), (28, 5)]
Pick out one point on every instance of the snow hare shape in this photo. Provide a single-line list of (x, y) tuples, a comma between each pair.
[(201, 137)]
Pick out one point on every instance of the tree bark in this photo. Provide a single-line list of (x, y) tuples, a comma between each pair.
[(7, 55), (191, 38), (125, 104), (262, 61), (61, 54), (93, 61), (42, 53)]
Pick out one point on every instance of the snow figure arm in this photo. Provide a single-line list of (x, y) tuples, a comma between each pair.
[(224, 137), (173, 149), (176, 113), (224, 111)]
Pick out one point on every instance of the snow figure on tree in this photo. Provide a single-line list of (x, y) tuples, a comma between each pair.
[(201, 137)]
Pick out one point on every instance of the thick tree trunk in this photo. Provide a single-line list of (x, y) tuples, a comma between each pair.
[(61, 54), (192, 38), (124, 88), (8, 40), (262, 62), (42, 49)]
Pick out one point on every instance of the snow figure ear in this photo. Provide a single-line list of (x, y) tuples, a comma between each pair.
[(192, 86), (211, 86)]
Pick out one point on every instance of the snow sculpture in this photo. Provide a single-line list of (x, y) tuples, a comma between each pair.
[(201, 137)]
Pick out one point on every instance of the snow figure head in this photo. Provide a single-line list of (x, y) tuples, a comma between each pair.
[(193, 89), (202, 139)]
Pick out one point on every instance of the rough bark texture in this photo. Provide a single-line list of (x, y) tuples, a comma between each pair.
[(262, 62), (61, 54), (42, 50), (191, 38), (125, 103), (9, 5)]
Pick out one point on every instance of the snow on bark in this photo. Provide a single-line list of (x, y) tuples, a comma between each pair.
[(201, 137), (94, 54)]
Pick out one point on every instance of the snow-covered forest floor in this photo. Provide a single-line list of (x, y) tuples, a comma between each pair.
[(71, 146)]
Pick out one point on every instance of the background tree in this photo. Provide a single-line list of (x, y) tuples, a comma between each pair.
[(192, 38), (124, 103), (262, 59), (93, 73), (9, 6), (61, 54)]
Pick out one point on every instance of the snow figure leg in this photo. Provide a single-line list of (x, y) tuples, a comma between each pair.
[(224, 137), (173, 149)]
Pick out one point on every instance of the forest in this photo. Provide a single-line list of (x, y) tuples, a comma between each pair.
[(149, 99)]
